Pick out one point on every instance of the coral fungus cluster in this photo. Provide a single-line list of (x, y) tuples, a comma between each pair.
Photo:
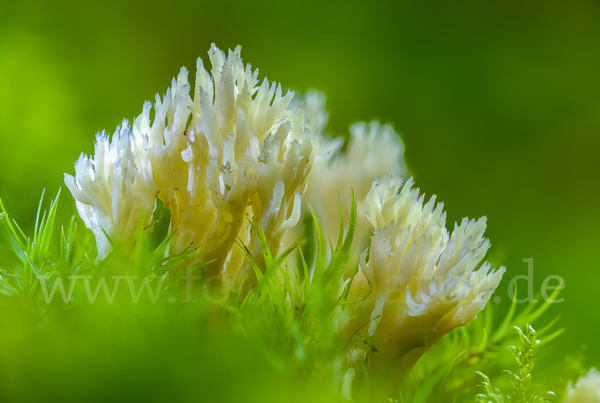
[(230, 155)]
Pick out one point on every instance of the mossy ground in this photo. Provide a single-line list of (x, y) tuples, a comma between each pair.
[(277, 343)]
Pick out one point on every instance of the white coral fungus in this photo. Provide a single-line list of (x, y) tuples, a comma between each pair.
[(114, 190), (232, 152), (373, 150), (423, 282), (235, 151), (585, 390)]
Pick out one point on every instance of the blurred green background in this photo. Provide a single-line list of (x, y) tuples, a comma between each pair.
[(498, 104)]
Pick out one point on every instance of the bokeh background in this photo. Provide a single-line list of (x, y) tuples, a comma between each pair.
[(498, 103)]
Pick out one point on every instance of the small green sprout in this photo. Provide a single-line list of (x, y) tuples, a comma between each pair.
[(521, 380)]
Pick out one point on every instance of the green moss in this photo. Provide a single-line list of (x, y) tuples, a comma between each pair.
[(181, 342)]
